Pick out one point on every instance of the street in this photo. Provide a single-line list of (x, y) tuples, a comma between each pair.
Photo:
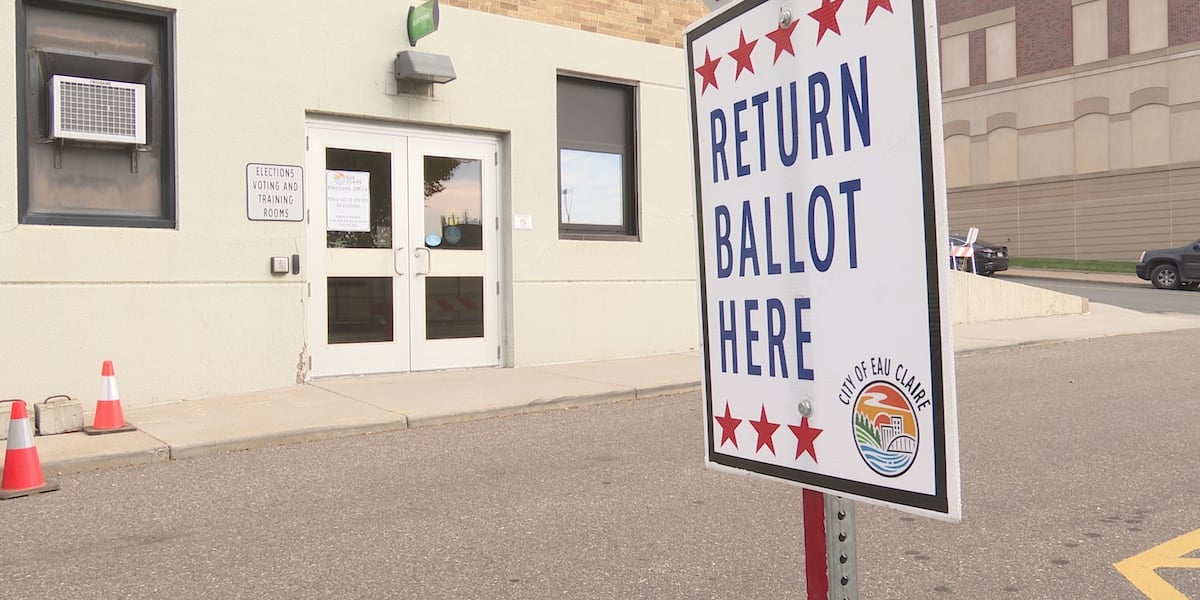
[(1075, 456), (1134, 294)]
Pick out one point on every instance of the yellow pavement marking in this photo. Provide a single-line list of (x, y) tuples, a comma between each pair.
[(1139, 569)]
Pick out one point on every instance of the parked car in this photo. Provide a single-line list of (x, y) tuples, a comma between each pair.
[(989, 258), (1171, 268)]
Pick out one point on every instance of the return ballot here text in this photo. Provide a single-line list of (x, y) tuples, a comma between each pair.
[(802, 225)]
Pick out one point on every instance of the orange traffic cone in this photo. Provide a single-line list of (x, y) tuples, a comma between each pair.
[(22, 469), (109, 416)]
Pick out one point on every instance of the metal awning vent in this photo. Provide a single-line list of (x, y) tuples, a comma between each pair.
[(97, 110)]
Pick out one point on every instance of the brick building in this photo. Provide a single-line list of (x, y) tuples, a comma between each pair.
[(1070, 126)]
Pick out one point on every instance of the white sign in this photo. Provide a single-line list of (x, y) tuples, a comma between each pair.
[(348, 201), (274, 192), (828, 352)]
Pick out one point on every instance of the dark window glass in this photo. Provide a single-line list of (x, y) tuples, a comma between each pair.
[(360, 309), (95, 171), (453, 307), (596, 158)]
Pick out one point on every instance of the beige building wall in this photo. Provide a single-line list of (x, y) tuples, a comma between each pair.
[(193, 311), (1096, 161), (980, 161), (1003, 154), (1001, 51), (1046, 152), (1091, 143), (958, 153), (1182, 149), (1150, 128), (1120, 142), (1089, 23), (956, 62), (1148, 27)]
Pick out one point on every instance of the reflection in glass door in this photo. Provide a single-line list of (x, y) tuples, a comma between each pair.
[(455, 294), (453, 222)]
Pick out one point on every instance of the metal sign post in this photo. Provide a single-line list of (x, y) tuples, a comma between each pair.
[(840, 548), (830, 559)]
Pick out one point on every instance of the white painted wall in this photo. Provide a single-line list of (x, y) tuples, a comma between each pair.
[(194, 312)]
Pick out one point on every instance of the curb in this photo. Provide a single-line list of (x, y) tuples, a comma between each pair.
[(107, 461), (192, 450), (560, 402)]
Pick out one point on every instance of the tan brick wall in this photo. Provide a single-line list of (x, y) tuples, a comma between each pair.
[(654, 21), (950, 11)]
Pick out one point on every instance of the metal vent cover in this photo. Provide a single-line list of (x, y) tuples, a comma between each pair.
[(97, 110)]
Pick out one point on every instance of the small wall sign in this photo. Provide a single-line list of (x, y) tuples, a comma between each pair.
[(422, 20), (274, 192)]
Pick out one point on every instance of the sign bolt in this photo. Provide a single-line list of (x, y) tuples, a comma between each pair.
[(805, 407), (785, 17)]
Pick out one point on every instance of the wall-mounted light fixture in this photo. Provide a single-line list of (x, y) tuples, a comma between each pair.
[(421, 67)]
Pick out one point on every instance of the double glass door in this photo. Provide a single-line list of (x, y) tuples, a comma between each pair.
[(402, 246)]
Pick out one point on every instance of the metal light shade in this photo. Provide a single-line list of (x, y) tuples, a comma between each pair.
[(422, 67)]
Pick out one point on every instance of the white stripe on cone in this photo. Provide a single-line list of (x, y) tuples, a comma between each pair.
[(19, 435), (108, 388)]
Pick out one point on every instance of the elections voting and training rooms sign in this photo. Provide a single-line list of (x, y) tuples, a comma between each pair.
[(821, 219)]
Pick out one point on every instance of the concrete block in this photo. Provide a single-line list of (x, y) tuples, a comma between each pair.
[(58, 414)]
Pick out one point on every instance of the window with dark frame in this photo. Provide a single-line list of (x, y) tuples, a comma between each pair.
[(95, 114), (597, 159)]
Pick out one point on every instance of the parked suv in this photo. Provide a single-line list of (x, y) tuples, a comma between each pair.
[(1172, 268)]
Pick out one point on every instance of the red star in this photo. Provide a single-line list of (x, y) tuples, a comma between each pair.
[(874, 4), (708, 72), (805, 436), (766, 430), (728, 427), (742, 55), (783, 40), (826, 16)]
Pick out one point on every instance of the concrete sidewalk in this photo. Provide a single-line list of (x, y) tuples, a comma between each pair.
[(359, 405)]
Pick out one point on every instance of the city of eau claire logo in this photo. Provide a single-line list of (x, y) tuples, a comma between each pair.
[(883, 416)]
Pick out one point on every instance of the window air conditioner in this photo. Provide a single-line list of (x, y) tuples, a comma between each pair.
[(97, 110)]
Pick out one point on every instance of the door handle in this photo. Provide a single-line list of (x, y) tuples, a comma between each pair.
[(428, 260), (399, 260)]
